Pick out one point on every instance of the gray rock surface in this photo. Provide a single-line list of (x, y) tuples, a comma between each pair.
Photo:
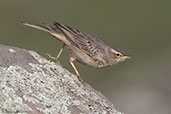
[(31, 84)]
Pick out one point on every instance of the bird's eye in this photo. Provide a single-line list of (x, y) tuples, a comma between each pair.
[(118, 55)]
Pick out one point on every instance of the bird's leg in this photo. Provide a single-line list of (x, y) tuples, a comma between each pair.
[(75, 69), (57, 57), (50, 56)]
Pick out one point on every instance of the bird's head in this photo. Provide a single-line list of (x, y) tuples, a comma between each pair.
[(118, 56)]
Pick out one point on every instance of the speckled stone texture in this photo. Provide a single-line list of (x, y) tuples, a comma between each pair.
[(31, 84)]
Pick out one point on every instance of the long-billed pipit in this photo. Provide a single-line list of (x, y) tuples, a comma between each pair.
[(84, 48)]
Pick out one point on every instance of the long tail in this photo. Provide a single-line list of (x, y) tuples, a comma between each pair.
[(41, 27), (56, 32)]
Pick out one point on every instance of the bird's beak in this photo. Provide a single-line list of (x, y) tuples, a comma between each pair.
[(127, 57)]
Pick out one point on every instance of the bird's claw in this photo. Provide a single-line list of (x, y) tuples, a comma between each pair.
[(54, 58)]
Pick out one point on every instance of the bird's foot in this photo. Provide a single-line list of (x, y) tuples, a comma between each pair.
[(54, 58), (80, 79)]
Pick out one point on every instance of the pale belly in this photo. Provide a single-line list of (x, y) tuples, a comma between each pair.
[(82, 57)]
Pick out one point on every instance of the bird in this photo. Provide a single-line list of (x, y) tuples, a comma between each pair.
[(83, 47)]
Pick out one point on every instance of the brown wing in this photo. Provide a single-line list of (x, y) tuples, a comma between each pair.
[(85, 42)]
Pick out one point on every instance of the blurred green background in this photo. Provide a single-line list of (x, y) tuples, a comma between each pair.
[(140, 28)]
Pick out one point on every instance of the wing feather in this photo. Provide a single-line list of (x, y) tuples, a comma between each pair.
[(85, 42)]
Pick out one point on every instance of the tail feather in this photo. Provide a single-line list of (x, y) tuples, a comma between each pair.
[(56, 32), (41, 27)]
